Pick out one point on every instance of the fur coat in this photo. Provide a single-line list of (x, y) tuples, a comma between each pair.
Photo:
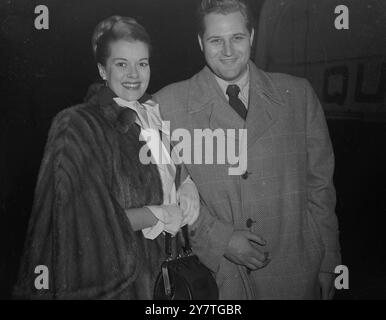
[(78, 228)]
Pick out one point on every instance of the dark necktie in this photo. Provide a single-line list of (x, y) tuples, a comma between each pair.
[(233, 94)]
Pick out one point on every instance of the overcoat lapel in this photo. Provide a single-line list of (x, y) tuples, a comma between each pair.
[(208, 106), (264, 106)]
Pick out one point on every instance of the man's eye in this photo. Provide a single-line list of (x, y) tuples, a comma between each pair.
[(215, 41), (238, 38)]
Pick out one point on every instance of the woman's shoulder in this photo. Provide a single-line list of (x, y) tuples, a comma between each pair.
[(68, 112), (79, 121), (73, 116), (89, 110)]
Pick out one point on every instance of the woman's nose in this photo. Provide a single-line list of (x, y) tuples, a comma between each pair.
[(132, 72)]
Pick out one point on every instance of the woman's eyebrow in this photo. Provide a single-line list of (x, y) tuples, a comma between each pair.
[(115, 59)]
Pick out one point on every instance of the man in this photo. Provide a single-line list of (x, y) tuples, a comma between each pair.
[(270, 232)]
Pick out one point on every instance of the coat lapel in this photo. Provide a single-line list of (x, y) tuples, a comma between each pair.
[(264, 106), (208, 106)]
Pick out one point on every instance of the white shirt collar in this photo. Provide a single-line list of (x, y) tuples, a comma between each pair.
[(243, 83)]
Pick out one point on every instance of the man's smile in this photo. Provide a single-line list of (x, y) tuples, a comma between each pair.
[(228, 61)]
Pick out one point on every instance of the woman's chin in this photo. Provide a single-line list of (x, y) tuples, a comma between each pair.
[(130, 97)]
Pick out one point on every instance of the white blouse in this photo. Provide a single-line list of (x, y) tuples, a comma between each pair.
[(149, 119)]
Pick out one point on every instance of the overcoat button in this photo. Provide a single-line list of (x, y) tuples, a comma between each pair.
[(245, 175), (249, 223)]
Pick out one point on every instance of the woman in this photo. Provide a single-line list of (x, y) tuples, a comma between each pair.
[(100, 208)]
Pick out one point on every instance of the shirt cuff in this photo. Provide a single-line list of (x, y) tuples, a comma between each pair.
[(154, 231)]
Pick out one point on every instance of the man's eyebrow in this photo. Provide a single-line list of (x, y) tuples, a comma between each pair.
[(115, 59), (233, 35), (213, 37)]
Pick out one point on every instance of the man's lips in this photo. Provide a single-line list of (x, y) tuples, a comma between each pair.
[(228, 61), (131, 85)]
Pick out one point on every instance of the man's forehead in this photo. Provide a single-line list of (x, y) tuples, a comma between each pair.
[(225, 23)]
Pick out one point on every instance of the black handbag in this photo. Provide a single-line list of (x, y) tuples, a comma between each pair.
[(184, 277)]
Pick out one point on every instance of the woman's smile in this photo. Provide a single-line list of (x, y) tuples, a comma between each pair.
[(131, 85)]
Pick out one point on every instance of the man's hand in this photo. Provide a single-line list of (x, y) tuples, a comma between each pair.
[(240, 250), (326, 281)]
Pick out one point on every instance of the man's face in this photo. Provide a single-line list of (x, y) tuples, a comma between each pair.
[(226, 44)]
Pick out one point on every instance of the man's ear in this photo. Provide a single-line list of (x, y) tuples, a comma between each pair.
[(252, 36), (200, 42), (102, 71)]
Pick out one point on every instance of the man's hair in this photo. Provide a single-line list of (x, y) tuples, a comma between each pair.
[(223, 7), (113, 29)]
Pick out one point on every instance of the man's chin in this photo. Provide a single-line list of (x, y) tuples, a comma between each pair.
[(230, 77)]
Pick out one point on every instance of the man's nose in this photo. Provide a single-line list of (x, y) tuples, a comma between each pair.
[(227, 49)]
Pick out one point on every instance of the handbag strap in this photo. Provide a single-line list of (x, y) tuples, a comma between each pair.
[(186, 247), (185, 232), (168, 245)]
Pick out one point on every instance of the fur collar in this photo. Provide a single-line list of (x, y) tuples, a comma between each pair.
[(120, 118)]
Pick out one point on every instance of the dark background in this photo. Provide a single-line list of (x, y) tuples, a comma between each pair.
[(44, 71)]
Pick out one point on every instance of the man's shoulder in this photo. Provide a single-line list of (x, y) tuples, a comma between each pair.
[(172, 92), (284, 80), (179, 91), (285, 86)]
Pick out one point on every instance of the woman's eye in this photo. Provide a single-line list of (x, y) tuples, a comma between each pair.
[(121, 64), (143, 64)]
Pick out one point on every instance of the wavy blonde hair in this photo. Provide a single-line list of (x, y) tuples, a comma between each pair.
[(116, 28)]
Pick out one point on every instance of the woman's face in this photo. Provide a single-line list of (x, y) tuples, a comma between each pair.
[(127, 69)]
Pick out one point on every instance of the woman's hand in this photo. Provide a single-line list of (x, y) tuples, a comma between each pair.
[(189, 200), (172, 218), (167, 217)]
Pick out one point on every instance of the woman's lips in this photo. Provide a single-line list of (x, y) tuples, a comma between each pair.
[(131, 85)]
